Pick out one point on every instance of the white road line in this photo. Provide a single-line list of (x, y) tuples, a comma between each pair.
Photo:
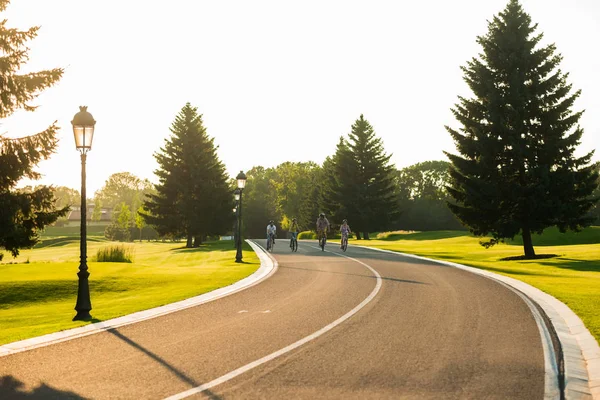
[(289, 348)]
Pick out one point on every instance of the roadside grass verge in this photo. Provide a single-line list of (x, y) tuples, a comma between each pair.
[(572, 277), (39, 297)]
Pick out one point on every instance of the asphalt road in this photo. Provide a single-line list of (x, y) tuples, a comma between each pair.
[(420, 330)]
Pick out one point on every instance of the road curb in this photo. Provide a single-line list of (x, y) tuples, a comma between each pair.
[(268, 266), (580, 349)]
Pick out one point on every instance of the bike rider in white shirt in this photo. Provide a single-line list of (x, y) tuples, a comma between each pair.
[(271, 230)]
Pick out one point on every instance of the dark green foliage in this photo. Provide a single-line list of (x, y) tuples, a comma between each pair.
[(423, 198), (517, 171), (259, 202), (595, 211), (193, 198), (286, 191), (23, 213), (359, 182)]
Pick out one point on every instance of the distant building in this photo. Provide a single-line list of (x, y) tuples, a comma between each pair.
[(74, 216)]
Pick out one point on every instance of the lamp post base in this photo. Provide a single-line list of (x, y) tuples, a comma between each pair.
[(82, 316)]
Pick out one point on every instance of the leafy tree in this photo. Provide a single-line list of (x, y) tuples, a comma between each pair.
[(517, 170), (65, 196), (123, 187), (423, 198), (360, 184), (23, 214), (259, 202), (140, 221), (97, 213), (193, 197), (119, 227)]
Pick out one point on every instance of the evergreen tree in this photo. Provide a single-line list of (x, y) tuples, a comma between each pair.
[(193, 198), (517, 170), (360, 181), (23, 214)]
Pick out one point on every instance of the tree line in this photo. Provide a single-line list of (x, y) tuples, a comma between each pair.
[(514, 171)]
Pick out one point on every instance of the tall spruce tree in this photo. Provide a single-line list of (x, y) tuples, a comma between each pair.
[(193, 198), (360, 181), (517, 171), (23, 213)]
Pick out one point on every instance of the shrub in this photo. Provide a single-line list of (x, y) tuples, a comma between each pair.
[(118, 253), (307, 235), (114, 232)]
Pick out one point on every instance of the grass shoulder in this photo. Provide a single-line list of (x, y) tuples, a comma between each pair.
[(38, 296)]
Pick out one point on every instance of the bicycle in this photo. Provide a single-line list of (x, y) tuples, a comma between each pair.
[(270, 243), (294, 242), (344, 241), (322, 241)]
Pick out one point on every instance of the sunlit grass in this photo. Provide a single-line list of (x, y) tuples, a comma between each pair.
[(39, 297), (572, 277)]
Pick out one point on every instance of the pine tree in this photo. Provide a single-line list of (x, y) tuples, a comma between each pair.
[(193, 197), (23, 214), (517, 171), (360, 182)]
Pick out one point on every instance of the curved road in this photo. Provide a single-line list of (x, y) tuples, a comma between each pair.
[(417, 330)]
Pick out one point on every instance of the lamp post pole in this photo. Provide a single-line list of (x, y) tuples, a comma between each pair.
[(83, 129), (241, 183), (84, 304), (238, 254)]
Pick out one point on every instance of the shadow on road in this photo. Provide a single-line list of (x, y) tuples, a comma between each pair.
[(11, 388), (363, 276), (181, 375)]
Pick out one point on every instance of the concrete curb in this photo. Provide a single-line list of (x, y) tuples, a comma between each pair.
[(268, 266), (581, 351)]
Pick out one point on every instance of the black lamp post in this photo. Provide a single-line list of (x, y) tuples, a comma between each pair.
[(83, 129), (235, 224), (241, 183)]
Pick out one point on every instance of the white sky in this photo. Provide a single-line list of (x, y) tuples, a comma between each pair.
[(275, 80)]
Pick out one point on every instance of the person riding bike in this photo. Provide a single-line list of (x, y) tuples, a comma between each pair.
[(345, 230), (271, 231), (322, 226), (294, 229)]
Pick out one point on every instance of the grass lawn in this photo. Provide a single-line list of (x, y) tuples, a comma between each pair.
[(38, 297), (573, 277)]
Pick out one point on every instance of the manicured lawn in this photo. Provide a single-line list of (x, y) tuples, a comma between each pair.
[(573, 277), (38, 297)]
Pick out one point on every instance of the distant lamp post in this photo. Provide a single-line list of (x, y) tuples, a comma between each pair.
[(241, 183), (83, 129), (235, 224)]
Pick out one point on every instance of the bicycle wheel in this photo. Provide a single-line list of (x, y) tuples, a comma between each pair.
[(345, 244), (295, 244)]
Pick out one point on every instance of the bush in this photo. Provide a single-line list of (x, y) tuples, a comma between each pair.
[(307, 235), (117, 253), (114, 232)]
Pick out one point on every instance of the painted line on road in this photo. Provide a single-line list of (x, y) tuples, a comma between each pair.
[(287, 349), (267, 268)]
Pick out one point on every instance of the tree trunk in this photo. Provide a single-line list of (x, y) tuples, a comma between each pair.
[(357, 235), (366, 235), (527, 243), (140, 235), (197, 240), (189, 243)]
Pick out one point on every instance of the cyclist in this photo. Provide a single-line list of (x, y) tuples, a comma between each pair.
[(294, 230), (322, 225), (345, 230), (271, 231)]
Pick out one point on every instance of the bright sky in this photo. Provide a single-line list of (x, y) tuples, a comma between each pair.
[(275, 80)]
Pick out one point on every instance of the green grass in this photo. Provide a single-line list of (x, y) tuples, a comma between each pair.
[(573, 277), (38, 298)]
